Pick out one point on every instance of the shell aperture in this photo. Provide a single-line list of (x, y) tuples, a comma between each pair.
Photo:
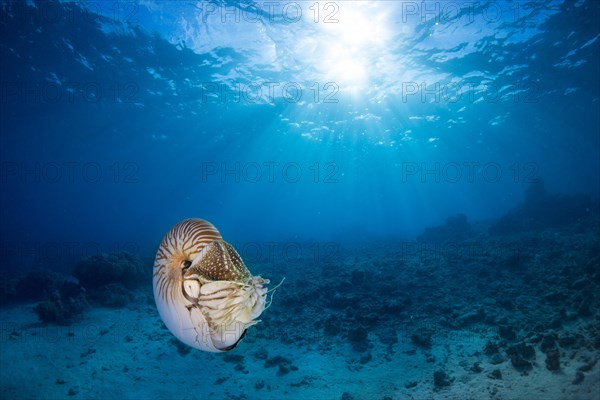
[(203, 291)]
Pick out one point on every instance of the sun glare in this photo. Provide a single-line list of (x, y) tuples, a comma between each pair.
[(353, 41)]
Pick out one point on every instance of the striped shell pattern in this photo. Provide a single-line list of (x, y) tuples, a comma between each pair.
[(203, 291)]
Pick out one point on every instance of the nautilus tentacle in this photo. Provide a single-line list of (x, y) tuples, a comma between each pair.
[(203, 291)]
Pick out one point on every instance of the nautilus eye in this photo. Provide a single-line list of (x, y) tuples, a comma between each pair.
[(203, 291)]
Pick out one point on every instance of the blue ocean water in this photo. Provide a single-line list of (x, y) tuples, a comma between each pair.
[(318, 137)]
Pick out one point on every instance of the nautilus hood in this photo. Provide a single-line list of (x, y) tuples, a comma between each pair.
[(218, 261)]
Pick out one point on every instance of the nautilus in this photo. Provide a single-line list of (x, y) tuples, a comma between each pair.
[(203, 291)]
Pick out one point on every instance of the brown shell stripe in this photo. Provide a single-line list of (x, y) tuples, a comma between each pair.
[(182, 243)]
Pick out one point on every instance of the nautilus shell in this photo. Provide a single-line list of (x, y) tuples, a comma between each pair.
[(203, 291)]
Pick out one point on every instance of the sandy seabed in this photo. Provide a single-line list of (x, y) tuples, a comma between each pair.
[(379, 322)]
